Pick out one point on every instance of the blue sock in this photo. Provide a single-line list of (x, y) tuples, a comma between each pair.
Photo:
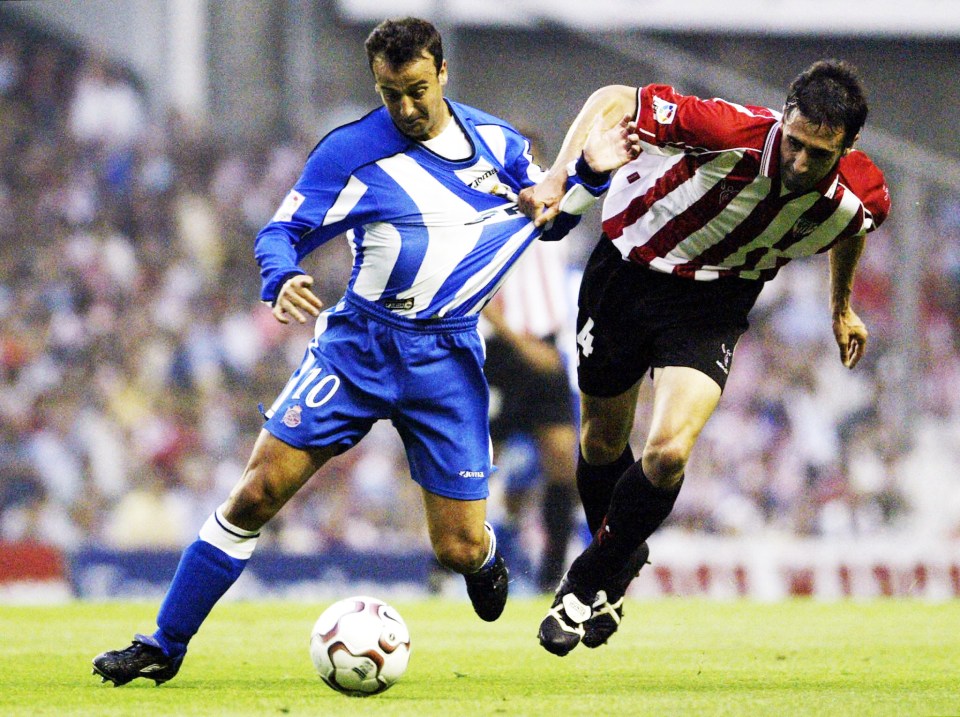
[(207, 569)]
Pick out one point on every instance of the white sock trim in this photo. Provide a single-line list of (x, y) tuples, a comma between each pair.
[(493, 545), (235, 542)]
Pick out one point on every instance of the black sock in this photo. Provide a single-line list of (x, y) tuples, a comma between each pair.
[(637, 509), (557, 512), (596, 484)]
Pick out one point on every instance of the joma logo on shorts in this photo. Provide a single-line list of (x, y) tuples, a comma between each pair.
[(471, 474)]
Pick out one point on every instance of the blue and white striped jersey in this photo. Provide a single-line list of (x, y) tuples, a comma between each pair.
[(430, 237)]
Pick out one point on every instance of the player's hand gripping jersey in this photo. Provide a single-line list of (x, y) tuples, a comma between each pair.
[(704, 197), (430, 237)]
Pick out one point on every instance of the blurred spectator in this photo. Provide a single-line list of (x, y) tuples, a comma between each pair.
[(105, 110), (148, 517)]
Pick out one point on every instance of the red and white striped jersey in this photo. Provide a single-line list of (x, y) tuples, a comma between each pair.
[(535, 299), (704, 198)]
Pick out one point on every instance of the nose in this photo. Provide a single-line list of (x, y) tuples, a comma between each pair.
[(801, 162), (406, 107)]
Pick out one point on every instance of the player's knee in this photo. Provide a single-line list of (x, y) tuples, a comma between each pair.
[(599, 450), (252, 504), (460, 555), (664, 462)]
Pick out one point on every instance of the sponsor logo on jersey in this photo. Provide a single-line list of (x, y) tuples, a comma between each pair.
[(471, 474), (291, 419), (483, 177), (663, 111), (497, 214)]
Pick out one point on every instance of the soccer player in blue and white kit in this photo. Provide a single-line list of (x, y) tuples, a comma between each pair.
[(424, 191)]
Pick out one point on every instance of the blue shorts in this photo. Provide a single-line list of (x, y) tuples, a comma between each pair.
[(366, 363)]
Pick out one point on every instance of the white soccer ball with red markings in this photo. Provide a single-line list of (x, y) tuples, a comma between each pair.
[(360, 646)]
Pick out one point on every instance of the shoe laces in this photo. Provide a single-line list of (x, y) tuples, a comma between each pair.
[(602, 606)]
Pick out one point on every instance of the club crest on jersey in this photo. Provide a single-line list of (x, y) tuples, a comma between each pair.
[(663, 111), (727, 192), (292, 418)]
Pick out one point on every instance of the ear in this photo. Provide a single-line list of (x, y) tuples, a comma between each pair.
[(442, 74), (855, 140)]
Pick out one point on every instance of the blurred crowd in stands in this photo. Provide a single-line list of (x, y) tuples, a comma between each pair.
[(134, 350)]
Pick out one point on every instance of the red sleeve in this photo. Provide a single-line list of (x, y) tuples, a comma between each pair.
[(668, 118), (864, 178)]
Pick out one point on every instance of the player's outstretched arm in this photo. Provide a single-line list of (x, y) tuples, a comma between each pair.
[(609, 104), (849, 331), (295, 299)]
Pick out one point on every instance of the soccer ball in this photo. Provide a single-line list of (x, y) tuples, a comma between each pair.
[(360, 646)]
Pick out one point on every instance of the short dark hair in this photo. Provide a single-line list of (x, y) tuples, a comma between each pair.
[(830, 93), (402, 41)]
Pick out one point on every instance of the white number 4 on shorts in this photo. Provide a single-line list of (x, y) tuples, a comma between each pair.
[(585, 339)]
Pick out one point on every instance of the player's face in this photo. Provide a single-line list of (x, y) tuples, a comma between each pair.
[(413, 95), (808, 151)]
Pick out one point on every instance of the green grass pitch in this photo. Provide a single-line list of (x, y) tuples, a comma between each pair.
[(671, 657)]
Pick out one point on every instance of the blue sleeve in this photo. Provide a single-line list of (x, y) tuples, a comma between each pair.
[(561, 225), (594, 182), (326, 201)]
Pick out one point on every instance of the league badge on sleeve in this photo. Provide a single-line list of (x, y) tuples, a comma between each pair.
[(663, 111), (291, 204)]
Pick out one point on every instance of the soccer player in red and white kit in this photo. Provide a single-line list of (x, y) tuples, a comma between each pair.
[(721, 196)]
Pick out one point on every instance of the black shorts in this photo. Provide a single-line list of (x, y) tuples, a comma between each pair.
[(633, 319), (523, 399)]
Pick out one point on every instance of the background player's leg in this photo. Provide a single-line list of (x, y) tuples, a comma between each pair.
[(557, 445)]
